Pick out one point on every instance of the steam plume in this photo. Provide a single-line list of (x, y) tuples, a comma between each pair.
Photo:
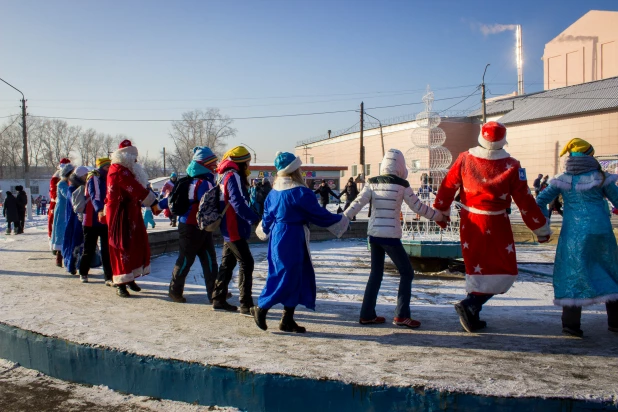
[(487, 29)]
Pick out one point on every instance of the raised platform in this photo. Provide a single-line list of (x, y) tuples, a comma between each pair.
[(150, 346)]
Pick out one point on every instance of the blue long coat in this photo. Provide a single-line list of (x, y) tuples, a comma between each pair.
[(291, 278), (60, 224), (586, 265), (73, 244)]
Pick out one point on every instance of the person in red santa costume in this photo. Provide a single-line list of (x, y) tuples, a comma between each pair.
[(129, 250), (53, 193), (487, 179)]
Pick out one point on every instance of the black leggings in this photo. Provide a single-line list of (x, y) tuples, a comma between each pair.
[(237, 251)]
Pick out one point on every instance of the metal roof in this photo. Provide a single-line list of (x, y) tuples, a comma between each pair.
[(582, 98)]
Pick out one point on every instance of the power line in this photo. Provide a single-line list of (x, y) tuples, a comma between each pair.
[(12, 123), (463, 100)]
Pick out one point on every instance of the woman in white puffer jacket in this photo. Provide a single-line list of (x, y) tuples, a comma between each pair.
[(387, 192)]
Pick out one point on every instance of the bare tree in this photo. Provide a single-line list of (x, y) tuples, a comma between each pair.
[(199, 128), (153, 167), (86, 147)]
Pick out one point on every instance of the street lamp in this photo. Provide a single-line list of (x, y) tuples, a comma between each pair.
[(25, 141), (250, 148)]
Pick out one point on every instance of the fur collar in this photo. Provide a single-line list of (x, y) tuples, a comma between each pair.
[(285, 183), (483, 153), (586, 181), (127, 160)]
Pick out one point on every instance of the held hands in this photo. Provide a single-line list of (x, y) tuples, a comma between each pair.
[(156, 210), (544, 239), (443, 221)]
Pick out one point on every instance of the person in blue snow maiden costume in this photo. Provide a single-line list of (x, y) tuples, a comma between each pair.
[(288, 209), (586, 266)]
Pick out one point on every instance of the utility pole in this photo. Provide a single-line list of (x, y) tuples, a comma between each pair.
[(362, 141), (250, 148), (381, 134), (164, 168), (483, 95), (24, 128)]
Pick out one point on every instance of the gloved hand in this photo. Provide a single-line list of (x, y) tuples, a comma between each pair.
[(155, 209), (544, 239), (443, 222)]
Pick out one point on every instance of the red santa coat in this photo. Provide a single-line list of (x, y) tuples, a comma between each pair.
[(129, 250), (53, 192), (487, 181)]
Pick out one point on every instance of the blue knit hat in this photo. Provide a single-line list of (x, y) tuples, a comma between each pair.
[(173, 175), (204, 155), (286, 163)]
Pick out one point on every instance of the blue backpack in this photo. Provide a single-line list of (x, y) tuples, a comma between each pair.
[(209, 213)]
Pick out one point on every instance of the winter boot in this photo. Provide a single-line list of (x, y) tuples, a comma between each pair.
[(612, 315), (109, 283), (221, 305), (121, 290), (571, 321), (287, 323), (259, 315), (83, 278), (466, 316), (58, 259), (174, 296), (247, 310), (134, 287)]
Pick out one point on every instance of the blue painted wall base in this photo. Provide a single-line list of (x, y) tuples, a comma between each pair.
[(211, 385)]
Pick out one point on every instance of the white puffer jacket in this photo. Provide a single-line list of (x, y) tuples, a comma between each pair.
[(387, 192)]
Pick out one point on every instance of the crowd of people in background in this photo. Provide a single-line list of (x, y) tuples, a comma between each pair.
[(98, 217)]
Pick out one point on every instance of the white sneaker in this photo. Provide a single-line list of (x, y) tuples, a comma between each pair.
[(84, 279)]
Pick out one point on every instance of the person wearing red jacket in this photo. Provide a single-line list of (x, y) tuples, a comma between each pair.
[(53, 194), (488, 178), (129, 250)]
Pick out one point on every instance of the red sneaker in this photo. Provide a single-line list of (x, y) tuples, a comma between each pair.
[(408, 322), (376, 320)]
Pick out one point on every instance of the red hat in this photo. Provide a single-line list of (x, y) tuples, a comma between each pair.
[(64, 161), (127, 147), (493, 136)]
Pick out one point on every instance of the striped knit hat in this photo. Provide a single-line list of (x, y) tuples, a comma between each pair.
[(577, 147), (204, 155), (239, 154), (103, 161)]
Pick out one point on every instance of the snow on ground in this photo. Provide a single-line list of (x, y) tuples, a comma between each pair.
[(521, 353), (24, 389)]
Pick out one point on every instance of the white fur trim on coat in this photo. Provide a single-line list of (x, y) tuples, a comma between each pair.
[(484, 153), (127, 159), (564, 181), (339, 228), (150, 199), (130, 277), (132, 150), (493, 284), (586, 302), (289, 169), (259, 231), (492, 145), (285, 183)]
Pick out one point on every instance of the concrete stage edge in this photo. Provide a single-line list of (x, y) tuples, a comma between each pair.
[(212, 385)]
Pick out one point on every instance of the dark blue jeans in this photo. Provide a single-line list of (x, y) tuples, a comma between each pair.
[(401, 260)]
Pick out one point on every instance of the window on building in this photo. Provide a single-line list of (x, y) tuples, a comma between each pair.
[(311, 159), (342, 173), (379, 167), (367, 170), (354, 170), (34, 190)]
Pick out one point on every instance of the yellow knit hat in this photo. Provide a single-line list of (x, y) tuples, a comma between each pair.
[(238, 154), (577, 145), (103, 161)]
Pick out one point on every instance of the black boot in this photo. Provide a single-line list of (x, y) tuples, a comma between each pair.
[(121, 290), (134, 287), (469, 311), (571, 321), (287, 323), (58, 259), (612, 315), (259, 315), (223, 305)]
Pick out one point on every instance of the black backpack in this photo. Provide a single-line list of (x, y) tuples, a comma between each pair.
[(178, 201)]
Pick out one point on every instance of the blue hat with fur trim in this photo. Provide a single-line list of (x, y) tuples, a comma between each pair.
[(286, 163)]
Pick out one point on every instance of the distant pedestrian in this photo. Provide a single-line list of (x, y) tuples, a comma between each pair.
[(537, 184), (325, 192), (22, 204), (1, 198), (166, 191), (60, 222), (43, 205), (37, 202), (147, 212), (9, 211), (53, 187), (351, 192), (544, 183)]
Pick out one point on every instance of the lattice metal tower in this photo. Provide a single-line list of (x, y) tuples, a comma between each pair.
[(427, 162)]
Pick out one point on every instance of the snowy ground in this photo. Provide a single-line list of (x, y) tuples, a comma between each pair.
[(522, 352), (24, 389)]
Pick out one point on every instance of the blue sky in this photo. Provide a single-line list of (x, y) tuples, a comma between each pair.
[(155, 59)]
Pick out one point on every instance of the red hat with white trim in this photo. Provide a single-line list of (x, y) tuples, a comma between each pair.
[(493, 136), (127, 147)]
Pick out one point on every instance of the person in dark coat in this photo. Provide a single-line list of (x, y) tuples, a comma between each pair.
[(351, 192), (9, 211), (324, 191), (22, 202)]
